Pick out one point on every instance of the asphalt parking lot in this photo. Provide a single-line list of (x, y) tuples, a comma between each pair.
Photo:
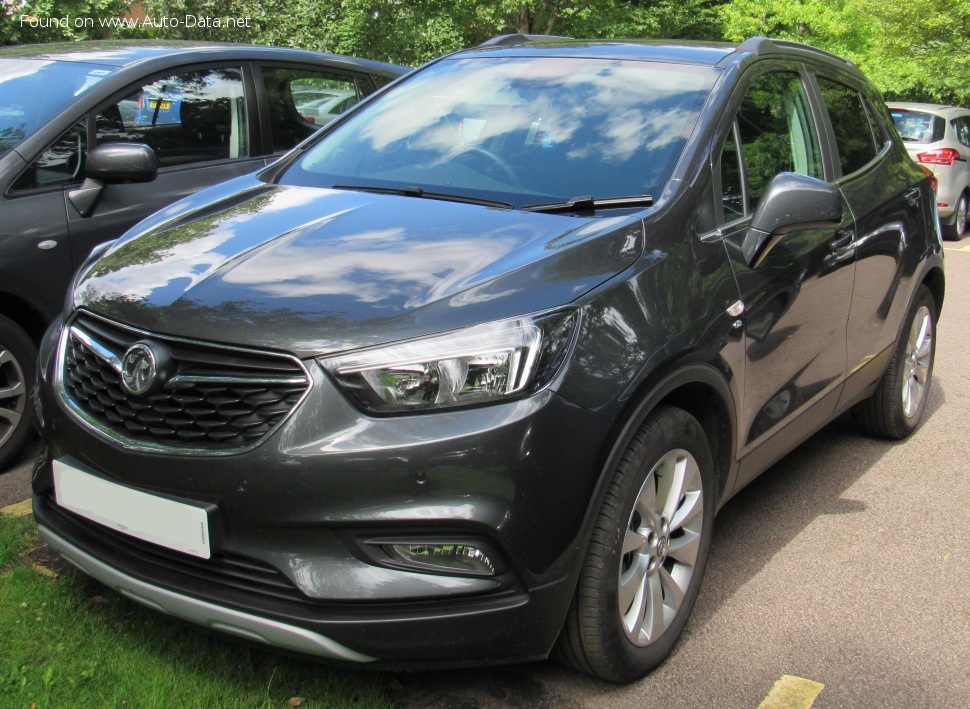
[(846, 564)]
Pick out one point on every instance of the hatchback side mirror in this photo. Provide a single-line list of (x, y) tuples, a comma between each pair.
[(112, 163), (792, 202)]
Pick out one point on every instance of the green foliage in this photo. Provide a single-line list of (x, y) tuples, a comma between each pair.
[(918, 50), (66, 12)]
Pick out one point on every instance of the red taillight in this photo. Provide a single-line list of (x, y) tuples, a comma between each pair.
[(141, 102), (934, 183), (941, 156)]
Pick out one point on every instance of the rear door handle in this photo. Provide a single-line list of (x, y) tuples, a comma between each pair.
[(913, 196)]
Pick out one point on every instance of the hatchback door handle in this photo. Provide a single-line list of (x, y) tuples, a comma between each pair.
[(913, 196)]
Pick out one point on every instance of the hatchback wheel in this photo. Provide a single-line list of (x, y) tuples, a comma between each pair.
[(956, 231), (17, 363), (647, 554), (896, 407)]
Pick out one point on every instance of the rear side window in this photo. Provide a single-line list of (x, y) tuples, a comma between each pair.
[(853, 134), (777, 133), (961, 126), (301, 101), (918, 126), (192, 117)]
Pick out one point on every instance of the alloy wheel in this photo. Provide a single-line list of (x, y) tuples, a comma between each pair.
[(660, 547), (961, 220), (13, 394), (916, 365)]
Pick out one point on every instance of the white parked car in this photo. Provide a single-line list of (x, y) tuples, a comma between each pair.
[(939, 137)]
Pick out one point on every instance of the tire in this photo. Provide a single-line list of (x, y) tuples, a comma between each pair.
[(955, 231), (18, 362), (625, 570), (896, 407)]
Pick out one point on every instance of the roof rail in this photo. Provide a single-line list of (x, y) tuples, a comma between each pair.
[(511, 40), (759, 46)]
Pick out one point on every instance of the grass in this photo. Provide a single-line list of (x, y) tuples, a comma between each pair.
[(66, 640)]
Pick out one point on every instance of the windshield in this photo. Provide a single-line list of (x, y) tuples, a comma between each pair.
[(521, 130), (917, 126), (34, 91)]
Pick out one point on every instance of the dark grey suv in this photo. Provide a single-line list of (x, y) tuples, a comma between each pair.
[(465, 378)]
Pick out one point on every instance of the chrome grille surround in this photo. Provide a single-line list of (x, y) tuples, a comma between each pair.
[(241, 407)]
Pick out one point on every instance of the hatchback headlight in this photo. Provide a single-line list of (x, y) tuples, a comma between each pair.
[(477, 365)]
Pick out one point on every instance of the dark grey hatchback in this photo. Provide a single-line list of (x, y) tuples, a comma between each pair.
[(465, 378)]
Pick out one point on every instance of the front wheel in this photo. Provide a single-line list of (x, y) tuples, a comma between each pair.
[(896, 407), (17, 366), (647, 553)]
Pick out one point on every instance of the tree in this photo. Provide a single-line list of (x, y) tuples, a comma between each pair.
[(54, 20)]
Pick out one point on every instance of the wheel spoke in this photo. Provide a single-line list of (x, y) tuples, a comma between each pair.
[(12, 417), (632, 541), (15, 390), (646, 503), (5, 356), (673, 592), (653, 616), (631, 582), (685, 547), (692, 505), (676, 480)]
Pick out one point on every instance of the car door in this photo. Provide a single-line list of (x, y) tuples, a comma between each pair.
[(34, 238), (886, 199), (795, 292), (199, 120)]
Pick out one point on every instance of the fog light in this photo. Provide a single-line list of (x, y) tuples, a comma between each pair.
[(455, 558)]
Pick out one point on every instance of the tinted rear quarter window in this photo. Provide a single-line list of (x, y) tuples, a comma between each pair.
[(850, 122)]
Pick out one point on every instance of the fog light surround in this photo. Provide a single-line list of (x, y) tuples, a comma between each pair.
[(449, 558)]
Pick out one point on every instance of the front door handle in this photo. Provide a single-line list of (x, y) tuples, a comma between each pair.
[(912, 197), (843, 238)]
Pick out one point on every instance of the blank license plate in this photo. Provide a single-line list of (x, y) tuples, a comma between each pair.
[(171, 524)]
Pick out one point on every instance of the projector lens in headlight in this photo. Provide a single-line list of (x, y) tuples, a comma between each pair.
[(481, 364)]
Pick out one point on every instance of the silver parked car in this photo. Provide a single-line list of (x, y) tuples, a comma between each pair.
[(939, 137)]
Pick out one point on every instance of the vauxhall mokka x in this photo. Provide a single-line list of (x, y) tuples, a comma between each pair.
[(464, 377)]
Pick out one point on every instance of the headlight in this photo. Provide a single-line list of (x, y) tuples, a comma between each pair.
[(481, 364)]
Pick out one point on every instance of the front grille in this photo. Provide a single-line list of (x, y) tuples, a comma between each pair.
[(216, 399)]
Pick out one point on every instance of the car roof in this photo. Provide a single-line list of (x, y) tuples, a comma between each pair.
[(127, 53), (719, 54), (929, 107)]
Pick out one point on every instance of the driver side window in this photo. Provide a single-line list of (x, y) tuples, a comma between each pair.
[(775, 133)]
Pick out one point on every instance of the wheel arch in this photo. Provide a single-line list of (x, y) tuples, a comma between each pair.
[(935, 281), (23, 314)]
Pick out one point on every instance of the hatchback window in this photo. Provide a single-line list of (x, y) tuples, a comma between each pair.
[(777, 132), (521, 130), (918, 126), (33, 91), (193, 117)]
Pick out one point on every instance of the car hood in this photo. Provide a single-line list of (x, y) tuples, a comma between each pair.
[(312, 271)]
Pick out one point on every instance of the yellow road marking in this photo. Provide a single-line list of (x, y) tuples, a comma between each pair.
[(958, 248), (20, 509), (792, 692)]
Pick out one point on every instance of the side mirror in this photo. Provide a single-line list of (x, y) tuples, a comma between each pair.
[(792, 202), (112, 163)]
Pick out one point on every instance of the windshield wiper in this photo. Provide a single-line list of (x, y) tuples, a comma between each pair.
[(424, 194), (588, 204)]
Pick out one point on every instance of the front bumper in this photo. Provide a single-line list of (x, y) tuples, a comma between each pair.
[(294, 515)]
